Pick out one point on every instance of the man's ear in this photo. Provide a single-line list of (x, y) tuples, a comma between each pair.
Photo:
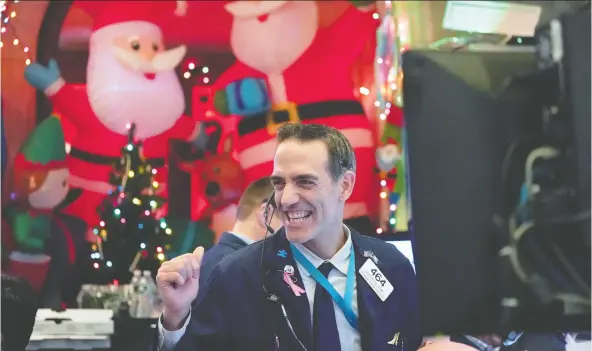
[(347, 185), (262, 216)]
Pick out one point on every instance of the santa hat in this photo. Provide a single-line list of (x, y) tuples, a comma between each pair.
[(133, 17), (44, 149)]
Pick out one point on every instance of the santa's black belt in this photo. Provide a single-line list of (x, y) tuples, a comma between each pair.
[(297, 113), (109, 160)]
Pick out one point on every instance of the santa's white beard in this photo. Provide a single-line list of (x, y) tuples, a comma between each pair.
[(275, 44), (119, 96)]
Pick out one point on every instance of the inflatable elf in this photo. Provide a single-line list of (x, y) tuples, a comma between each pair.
[(40, 181)]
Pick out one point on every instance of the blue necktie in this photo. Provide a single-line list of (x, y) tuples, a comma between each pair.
[(325, 334)]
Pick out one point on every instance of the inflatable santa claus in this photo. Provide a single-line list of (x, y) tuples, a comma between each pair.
[(130, 79), (290, 69)]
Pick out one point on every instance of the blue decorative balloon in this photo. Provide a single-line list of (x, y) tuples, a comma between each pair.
[(247, 97), (385, 54)]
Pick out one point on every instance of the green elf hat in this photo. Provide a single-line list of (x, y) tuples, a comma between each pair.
[(363, 5), (44, 149)]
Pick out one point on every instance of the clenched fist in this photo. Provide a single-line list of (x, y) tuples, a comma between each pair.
[(178, 284)]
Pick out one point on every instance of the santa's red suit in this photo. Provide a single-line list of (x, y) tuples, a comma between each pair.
[(316, 88), (120, 90)]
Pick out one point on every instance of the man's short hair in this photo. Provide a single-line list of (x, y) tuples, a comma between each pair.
[(19, 308), (341, 152), (257, 193)]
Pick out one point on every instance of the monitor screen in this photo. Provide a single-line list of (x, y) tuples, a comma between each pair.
[(405, 247)]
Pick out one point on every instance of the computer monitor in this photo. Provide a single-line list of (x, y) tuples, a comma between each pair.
[(457, 137), (402, 241)]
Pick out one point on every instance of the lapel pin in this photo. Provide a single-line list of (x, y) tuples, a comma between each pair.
[(282, 253), (370, 255), (395, 340), (289, 270), (288, 280)]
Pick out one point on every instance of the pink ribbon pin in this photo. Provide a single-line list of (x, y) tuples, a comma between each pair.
[(295, 288)]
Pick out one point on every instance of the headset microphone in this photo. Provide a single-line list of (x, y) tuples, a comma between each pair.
[(268, 294)]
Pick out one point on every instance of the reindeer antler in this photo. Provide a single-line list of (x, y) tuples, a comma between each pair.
[(181, 9)]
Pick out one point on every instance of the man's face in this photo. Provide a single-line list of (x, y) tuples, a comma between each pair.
[(309, 200)]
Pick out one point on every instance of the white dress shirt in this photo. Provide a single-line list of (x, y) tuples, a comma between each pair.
[(349, 337)]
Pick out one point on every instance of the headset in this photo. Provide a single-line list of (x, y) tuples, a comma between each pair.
[(268, 294)]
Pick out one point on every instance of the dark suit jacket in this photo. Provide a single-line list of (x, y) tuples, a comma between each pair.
[(227, 244), (233, 312)]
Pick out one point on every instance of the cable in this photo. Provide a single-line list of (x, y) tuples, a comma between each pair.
[(545, 152), (267, 225), (527, 225), (513, 253), (570, 270), (269, 295)]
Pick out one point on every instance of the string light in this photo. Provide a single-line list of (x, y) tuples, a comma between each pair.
[(127, 194), (192, 71), (393, 40), (6, 26)]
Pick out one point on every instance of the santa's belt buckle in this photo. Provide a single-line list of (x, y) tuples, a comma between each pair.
[(289, 108)]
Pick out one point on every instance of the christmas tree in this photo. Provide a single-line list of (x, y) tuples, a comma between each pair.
[(129, 236)]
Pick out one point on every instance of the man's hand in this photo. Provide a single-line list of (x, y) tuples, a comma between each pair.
[(178, 285)]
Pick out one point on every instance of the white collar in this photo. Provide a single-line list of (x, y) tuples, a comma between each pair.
[(340, 260), (247, 240)]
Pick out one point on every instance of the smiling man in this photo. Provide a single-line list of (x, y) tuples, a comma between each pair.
[(315, 285)]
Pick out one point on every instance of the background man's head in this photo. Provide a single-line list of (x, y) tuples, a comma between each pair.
[(253, 208), (19, 307), (313, 175)]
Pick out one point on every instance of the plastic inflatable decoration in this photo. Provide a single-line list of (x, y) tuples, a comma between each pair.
[(216, 178), (390, 158), (4, 146), (40, 180), (387, 56), (307, 81), (130, 79)]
